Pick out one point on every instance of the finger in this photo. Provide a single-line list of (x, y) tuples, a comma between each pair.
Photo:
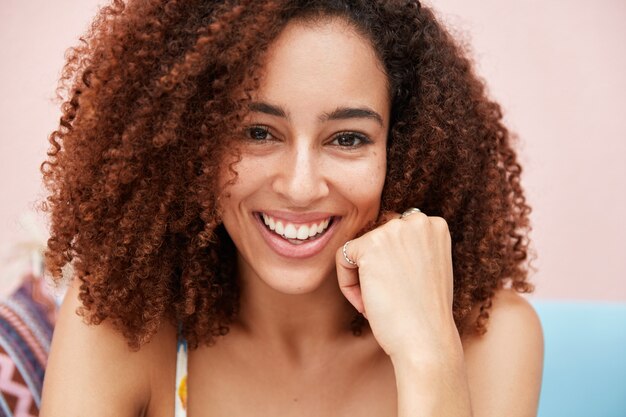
[(348, 276)]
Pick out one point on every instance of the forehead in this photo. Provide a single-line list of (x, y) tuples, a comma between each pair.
[(325, 61)]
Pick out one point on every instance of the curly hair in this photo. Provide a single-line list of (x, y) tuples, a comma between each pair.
[(151, 97)]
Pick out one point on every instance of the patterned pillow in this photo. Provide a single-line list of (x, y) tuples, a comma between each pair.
[(26, 322)]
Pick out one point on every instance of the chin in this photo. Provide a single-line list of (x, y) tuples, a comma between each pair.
[(297, 280)]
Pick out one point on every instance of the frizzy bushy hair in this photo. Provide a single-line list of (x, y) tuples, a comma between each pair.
[(150, 97)]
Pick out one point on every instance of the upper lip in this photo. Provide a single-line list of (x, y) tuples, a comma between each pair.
[(297, 218)]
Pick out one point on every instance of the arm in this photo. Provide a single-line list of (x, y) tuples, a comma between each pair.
[(433, 387), (91, 371), (399, 276)]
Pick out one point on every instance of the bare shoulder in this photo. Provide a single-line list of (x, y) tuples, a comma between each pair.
[(510, 313), (92, 371), (504, 366)]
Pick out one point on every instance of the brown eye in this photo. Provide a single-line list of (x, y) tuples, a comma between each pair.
[(350, 140), (258, 133)]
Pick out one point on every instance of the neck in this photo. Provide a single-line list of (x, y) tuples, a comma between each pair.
[(296, 325)]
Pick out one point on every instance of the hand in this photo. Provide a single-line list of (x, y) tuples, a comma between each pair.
[(402, 283)]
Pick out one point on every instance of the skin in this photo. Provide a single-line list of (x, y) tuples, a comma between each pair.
[(290, 352)]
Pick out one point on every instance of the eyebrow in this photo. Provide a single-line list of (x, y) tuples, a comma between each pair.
[(272, 110), (340, 113)]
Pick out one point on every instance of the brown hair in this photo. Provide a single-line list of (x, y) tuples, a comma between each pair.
[(150, 97)]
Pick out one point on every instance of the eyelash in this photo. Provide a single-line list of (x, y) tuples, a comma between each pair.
[(364, 140), (264, 130), (260, 129)]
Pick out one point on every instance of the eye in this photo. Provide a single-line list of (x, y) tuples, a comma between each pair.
[(258, 133), (350, 140)]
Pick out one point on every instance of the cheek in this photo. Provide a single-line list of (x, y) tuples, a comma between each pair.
[(375, 182), (362, 183), (234, 188), (380, 170), (238, 176)]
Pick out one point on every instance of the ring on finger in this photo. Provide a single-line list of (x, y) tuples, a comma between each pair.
[(410, 211), (345, 253)]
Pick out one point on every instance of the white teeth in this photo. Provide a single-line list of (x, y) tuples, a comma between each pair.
[(279, 228), (291, 231), (269, 222), (303, 232)]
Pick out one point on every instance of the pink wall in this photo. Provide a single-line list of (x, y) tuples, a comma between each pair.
[(557, 67)]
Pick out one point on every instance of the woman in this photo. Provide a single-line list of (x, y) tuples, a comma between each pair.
[(244, 177)]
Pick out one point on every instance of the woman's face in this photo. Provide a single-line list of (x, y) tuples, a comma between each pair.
[(313, 156)]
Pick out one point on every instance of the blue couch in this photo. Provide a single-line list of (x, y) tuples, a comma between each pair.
[(585, 359)]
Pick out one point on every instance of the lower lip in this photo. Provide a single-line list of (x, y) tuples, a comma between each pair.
[(297, 251)]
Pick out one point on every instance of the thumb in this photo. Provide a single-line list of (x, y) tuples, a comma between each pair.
[(348, 275)]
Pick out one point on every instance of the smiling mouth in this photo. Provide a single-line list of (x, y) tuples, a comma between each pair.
[(295, 234)]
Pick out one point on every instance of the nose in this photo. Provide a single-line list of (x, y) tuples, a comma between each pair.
[(301, 179)]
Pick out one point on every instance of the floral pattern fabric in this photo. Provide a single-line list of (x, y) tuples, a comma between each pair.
[(181, 379)]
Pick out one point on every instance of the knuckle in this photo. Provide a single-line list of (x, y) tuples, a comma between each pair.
[(395, 224), (378, 237), (439, 223), (417, 220)]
